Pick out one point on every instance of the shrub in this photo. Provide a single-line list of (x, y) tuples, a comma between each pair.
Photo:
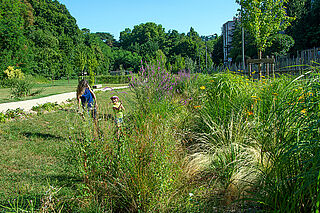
[(2, 117), (14, 113), (12, 73), (113, 79), (21, 88), (45, 107), (10, 76)]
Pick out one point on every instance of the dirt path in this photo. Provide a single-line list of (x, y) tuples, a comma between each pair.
[(28, 104)]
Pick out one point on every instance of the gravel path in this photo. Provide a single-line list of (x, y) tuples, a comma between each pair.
[(28, 104)]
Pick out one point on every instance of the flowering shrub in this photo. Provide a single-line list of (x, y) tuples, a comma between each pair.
[(12, 73), (152, 84), (155, 84)]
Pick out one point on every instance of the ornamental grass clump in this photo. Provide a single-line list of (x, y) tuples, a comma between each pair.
[(289, 138), (259, 140)]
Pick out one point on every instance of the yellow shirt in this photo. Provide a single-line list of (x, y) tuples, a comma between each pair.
[(118, 111)]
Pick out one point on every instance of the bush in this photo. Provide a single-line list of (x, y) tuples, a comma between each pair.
[(45, 107), (2, 117), (113, 79), (21, 88), (12, 73)]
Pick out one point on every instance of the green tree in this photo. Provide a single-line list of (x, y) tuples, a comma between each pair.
[(217, 51), (106, 38), (263, 19), (305, 29), (13, 42), (145, 39), (127, 59)]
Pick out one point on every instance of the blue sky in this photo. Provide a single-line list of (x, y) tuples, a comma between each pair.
[(113, 16)]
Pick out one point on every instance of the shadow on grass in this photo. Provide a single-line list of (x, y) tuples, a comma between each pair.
[(42, 135), (62, 180)]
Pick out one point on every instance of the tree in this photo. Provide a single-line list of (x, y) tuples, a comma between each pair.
[(13, 42), (305, 30), (106, 38), (264, 19), (217, 52)]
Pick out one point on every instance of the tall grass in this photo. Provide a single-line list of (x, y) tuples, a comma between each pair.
[(143, 170), (208, 143), (259, 140)]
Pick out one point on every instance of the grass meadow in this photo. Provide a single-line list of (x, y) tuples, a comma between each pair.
[(189, 143)]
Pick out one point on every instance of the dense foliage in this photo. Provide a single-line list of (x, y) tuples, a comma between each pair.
[(303, 33), (42, 38)]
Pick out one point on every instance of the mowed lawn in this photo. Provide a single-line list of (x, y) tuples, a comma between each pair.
[(34, 154), (47, 89)]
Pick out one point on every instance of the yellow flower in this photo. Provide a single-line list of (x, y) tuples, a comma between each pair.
[(304, 111), (250, 113), (275, 94), (253, 72), (301, 97), (202, 87), (254, 97), (196, 107)]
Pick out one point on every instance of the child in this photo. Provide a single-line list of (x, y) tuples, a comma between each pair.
[(87, 98), (118, 109)]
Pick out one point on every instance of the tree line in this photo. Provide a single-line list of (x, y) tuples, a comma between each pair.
[(40, 37)]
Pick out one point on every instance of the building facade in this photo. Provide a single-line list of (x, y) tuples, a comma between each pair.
[(227, 33)]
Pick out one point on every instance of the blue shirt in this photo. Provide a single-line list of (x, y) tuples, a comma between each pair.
[(87, 98)]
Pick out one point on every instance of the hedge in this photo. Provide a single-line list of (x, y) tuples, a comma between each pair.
[(112, 79)]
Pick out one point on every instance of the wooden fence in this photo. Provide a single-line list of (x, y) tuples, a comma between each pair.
[(277, 65)]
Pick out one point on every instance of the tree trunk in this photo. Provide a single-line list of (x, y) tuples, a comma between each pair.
[(259, 66)]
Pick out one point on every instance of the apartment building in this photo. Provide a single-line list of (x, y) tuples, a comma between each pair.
[(227, 32)]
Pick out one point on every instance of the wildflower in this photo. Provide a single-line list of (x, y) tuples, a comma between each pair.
[(253, 97), (304, 111), (190, 194), (301, 97), (253, 72), (196, 107), (275, 94), (250, 113), (202, 87)]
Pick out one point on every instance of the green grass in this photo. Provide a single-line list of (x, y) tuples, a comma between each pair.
[(35, 156), (47, 89), (230, 141)]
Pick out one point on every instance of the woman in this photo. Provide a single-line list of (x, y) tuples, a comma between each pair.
[(87, 98)]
